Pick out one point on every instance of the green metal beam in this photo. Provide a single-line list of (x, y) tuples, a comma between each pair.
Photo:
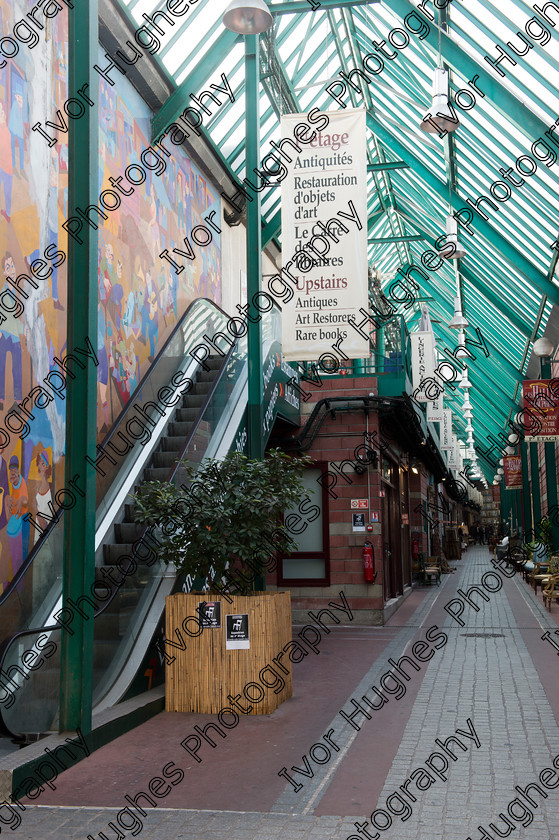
[(204, 70), (387, 165), (500, 303), (78, 571), (296, 6), (509, 252), (506, 102), (380, 240), (271, 229)]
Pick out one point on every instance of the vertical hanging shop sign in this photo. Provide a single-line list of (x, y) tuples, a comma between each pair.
[(541, 399), (454, 454), (324, 236), (512, 465), (446, 430), (435, 409), (422, 362)]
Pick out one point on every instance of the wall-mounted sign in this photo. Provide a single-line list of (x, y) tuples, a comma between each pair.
[(435, 409), (358, 521), (541, 410), (446, 430), (422, 362), (382, 494), (209, 613), (324, 237), (512, 465), (359, 504), (237, 635), (374, 516)]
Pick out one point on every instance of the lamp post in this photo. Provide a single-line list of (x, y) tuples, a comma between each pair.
[(250, 18)]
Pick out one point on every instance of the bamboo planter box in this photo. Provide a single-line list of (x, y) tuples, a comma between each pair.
[(218, 662)]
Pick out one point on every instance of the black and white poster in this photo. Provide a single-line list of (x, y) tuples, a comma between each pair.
[(209, 613), (237, 635)]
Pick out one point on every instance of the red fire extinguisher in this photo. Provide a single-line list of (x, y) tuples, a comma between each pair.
[(369, 562), (415, 549)]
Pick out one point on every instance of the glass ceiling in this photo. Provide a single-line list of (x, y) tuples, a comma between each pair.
[(507, 284)]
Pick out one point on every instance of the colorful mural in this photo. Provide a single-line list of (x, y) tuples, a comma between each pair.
[(141, 298)]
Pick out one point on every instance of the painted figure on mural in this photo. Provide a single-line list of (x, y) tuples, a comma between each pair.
[(152, 315), (11, 330), (6, 166), (17, 505), (5, 570), (43, 497), (52, 220), (103, 367), (15, 126)]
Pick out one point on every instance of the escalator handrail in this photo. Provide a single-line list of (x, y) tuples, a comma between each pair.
[(6, 644), (20, 574)]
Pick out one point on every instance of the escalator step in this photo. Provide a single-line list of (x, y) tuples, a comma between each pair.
[(186, 415), (156, 474), (165, 459), (127, 532), (196, 400), (179, 430), (112, 552), (171, 443)]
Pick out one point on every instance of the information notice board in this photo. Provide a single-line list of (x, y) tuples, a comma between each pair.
[(324, 236)]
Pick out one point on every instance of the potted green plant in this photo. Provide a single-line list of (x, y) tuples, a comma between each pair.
[(224, 528), (229, 517)]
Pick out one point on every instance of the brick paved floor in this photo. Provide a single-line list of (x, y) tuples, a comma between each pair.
[(495, 670)]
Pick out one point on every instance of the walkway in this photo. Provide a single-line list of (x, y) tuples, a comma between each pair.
[(493, 684)]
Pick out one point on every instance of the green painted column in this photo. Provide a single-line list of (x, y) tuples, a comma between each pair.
[(526, 495), (254, 246), (76, 656), (550, 469), (535, 479)]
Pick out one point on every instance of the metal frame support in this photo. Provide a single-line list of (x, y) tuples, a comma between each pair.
[(254, 247), (535, 481), (76, 656)]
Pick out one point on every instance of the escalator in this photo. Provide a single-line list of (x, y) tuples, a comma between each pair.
[(190, 405)]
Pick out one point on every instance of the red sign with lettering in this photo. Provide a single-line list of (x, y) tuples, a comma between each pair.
[(540, 414), (513, 472)]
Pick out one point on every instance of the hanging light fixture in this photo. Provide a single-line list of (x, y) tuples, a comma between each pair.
[(247, 17), (465, 382), (500, 471), (513, 439), (543, 347), (468, 415), (439, 117), (469, 427), (458, 322), (510, 450), (457, 252), (467, 403), (461, 352)]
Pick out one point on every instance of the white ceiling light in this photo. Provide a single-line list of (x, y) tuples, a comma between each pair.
[(247, 17), (457, 251), (458, 322), (465, 382), (439, 118), (461, 352), (543, 347)]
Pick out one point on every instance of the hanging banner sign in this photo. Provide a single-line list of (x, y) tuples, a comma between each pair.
[(541, 410), (446, 430), (454, 454), (496, 493), (422, 362), (435, 409), (512, 465), (324, 237)]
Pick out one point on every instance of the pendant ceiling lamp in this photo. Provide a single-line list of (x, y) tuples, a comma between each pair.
[(469, 427), (458, 322), (509, 450), (468, 415), (439, 117), (247, 17), (543, 347), (457, 251), (500, 471), (467, 403), (461, 352), (465, 382)]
